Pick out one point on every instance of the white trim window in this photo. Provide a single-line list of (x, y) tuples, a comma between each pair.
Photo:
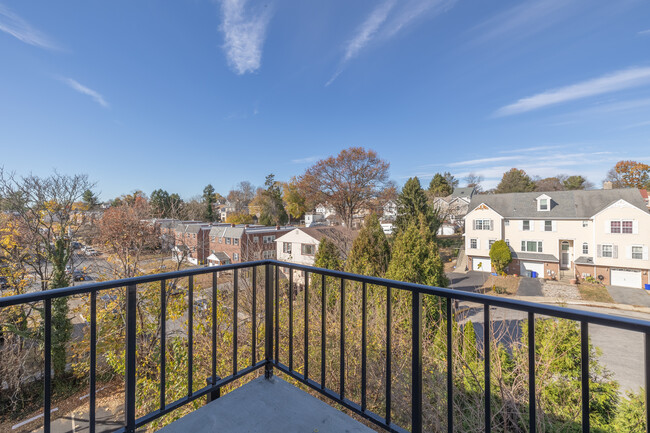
[(483, 224), (268, 239), (543, 204), (227, 241), (608, 251), (490, 243), (526, 225), (585, 248), (531, 246), (268, 254), (585, 223), (235, 241), (637, 252), (548, 226), (623, 227), (473, 243), (286, 247), (235, 257), (307, 249)]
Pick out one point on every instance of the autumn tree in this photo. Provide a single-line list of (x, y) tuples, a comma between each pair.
[(549, 184), (370, 252), (629, 174), (439, 186), (241, 196), (474, 180), (126, 235), (240, 218), (349, 182), (515, 180), (295, 201)]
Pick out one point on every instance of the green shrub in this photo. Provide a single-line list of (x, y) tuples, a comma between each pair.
[(500, 256)]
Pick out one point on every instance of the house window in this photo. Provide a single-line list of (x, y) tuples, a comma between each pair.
[(268, 254), (608, 251), (543, 204), (473, 243), (490, 243), (268, 239), (616, 227), (220, 240), (286, 247), (482, 224), (307, 249), (548, 226), (525, 225), (194, 235), (508, 242), (256, 239), (506, 222), (256, 255), (227, 241), (627, 226), (235, 257), (531, 246), (585, 248), (585, 224), (637, 252), (235, 241)]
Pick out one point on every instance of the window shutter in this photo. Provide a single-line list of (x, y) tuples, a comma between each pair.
[(615, 254), (608, 226), (554, 223), (478, 244), (492, 224), (599, 250), (645, 253), (521, 225), (635, 227), (628, 252), (523, 245), (474, 224)]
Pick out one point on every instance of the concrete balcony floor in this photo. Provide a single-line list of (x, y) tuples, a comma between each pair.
[(267, 406)]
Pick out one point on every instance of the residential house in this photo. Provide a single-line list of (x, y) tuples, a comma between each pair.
[(191, 242), (325, 209), (453, 208), (315, 219), (230, 243), (603, 234), (301, 244)]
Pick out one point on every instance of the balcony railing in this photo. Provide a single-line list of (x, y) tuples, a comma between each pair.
[(270, 359)]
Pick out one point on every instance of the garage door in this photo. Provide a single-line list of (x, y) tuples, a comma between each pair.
[(626, 278), (528, 267), (485, 264)]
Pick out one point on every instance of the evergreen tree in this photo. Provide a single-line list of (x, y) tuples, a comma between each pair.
[(208, 199), (272, 206), (370, 252), (439, 186), (515, 180), (411, 203), (90, 199), (328, 256)]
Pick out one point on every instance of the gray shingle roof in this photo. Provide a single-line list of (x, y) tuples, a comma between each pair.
[(564, 204), (463, 192), (534, 256), (584, 260)]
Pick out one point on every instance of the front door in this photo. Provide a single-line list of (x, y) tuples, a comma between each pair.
[(565, 255)]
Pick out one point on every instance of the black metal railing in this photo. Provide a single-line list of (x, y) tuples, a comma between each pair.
[(271, 357)]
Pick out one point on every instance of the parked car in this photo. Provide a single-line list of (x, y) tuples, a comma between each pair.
[(91, 252), (79, 275)]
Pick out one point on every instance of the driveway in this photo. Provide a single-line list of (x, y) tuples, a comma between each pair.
[(467, 281), (629, 296), (530, 287)]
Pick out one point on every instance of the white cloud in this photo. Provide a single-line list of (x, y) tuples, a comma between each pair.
[(484, 160), (244, 35), (86, 91), (637, 125), (644, 32), (387, 20), (15, 26), (618, 80), (525, 19), (532, 149), (306, 160)]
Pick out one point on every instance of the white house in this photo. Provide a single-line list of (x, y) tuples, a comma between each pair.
[(603, 234)]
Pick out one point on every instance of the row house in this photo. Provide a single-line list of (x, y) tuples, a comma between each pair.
[(603, 234), (453, 209), (229, 243), (191, 242)]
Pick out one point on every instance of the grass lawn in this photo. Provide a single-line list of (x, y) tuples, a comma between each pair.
[(504, 285), (594, 292)]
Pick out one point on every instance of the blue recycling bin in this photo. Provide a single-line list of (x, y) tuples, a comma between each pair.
[(647, 286), (533, 274)]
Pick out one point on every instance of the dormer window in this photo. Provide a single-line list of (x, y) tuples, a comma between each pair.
[(543, 203)]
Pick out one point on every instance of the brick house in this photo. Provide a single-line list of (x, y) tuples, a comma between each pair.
[(229, 243)]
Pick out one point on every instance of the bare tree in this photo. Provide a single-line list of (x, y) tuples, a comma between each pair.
[(474, 180)]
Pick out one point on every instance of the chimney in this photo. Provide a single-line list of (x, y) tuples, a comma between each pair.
[(277, 227), (232, 224), (607, 185)]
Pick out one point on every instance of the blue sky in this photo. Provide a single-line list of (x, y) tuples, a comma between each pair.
[(176, 95)]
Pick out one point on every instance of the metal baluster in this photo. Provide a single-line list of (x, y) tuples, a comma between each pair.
[(190, 334), (389, 376), (93, 361), (323, 333), (163, 340), (416, 363), (277, 314), (486, 364), (584, 351), (291, 319), (364, 343), (647, 381), (342, 357), (268, 313), (306, 367), (532, 404), (215, 289), (235, 303), (254, 324), (47, 370), (450, 370), (129, 410)]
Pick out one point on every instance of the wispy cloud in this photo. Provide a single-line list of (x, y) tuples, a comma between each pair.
[(644, 32), (637, 125), (306, 160), (15, 26), (484, 160), (385, 21), (616, 81), (244, 35), (525, 19), (75, 85), (533, 149)]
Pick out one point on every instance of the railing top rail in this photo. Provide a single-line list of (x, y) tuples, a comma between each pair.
[(103, 285), (626, 323)]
